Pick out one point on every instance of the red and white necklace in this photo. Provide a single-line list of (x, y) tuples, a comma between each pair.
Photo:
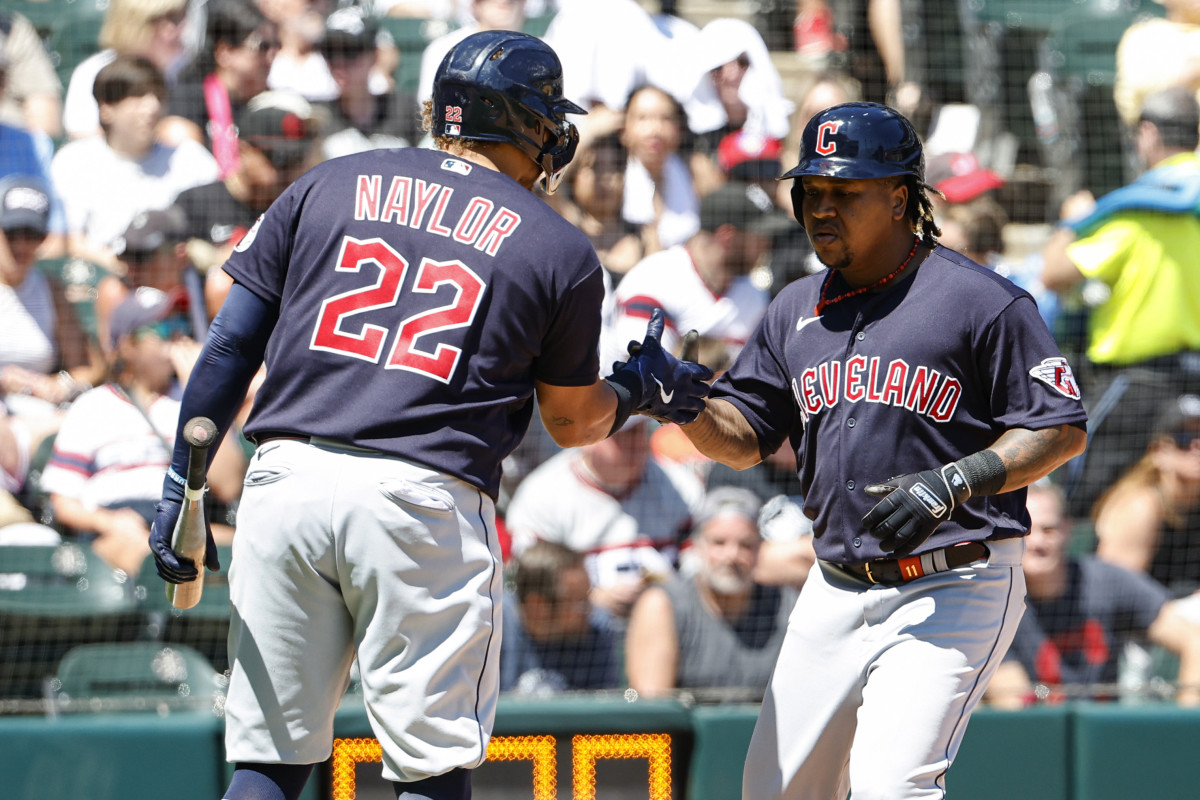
[(825, 301)]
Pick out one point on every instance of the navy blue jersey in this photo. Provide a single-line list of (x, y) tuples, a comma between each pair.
[(891, 383), (420, 297)]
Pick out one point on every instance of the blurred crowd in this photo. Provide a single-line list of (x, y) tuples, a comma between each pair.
[(128, 178)]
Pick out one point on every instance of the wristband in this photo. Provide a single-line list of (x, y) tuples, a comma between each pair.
[(985, 472), (624, 403), (176, 477)]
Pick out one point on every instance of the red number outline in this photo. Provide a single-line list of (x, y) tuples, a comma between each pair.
[(367, 344), (460, 313)]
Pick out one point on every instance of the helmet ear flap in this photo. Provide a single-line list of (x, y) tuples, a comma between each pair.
[(798, 198)]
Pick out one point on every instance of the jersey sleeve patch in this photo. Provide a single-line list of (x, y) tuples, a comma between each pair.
[(247, 240), (1056, 373)]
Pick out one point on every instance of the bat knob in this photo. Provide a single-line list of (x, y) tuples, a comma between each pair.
[(200, 432)]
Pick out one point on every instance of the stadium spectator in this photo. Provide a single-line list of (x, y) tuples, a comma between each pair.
[(595, 184), (1157, 53), (731, 85), (1139, 243), (277, 142), (149, 28), (1149, 520), (702, 283), (46, 359), (32, 98), (486, 15), (365, 115), (625, 511), (106, 181), (105, 475), (608, 49), (660, 195), (554, 640), (713, 627), (299, 65), (153, 252), (24, 152), (232, 67), (1080, 613)]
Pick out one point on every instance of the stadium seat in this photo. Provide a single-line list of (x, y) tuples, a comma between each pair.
[(78, 280), (44, 14), (204, 627), (53, 598), (137, 676)]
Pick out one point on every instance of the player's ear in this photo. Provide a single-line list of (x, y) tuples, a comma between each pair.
[(900, 200)]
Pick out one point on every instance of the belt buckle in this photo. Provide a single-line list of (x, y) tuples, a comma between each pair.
[(870, 577)]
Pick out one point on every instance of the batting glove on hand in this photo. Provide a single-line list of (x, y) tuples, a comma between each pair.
[(661, 385), (172, 567), (914, 505)]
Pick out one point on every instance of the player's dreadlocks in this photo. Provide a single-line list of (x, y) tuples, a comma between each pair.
[(920, 209)]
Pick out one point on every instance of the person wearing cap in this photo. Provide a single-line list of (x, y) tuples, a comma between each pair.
[(704, 284), (1149, 519), (104, 475), (715, 627), (153, 252), (364, 115), (1134, 253), (1082, 615), (626, 510), (45, 356), (276, 143), (106, 181)]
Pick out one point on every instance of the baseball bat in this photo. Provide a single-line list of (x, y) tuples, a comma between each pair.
[(190, 537), (691, 346)]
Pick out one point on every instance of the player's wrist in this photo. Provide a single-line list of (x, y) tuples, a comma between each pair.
[(984, 473), (622, 388)]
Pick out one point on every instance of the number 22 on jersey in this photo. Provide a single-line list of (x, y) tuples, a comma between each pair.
[(332, 336)]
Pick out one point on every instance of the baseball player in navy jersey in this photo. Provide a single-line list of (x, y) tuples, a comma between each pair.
[(921, 393), (410, 304)]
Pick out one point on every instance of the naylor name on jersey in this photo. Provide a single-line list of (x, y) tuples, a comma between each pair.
[(869, 380), (423, 204)]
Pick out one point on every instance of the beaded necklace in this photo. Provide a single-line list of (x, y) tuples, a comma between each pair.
[(825, 302)]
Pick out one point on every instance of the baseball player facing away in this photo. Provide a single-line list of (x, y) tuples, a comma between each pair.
[(921, 393), (410, 304)]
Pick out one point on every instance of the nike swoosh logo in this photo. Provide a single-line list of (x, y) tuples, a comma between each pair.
[(802, 321), (662, 392)]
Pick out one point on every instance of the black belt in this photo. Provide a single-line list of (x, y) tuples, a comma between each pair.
[(894, 571), (262, 437)]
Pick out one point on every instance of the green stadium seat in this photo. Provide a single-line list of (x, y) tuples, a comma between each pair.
[(138, 676), (204, 627), (78, 280), (53, 598), (44, 14)]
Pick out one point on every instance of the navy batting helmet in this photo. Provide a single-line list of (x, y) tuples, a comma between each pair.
[(504, 86), (859, 141)]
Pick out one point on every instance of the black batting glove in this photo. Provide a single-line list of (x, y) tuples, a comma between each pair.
[(660, 385), (170, 566), (913, 506)]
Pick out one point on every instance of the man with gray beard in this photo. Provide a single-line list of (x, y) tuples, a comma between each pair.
[(714, 627)]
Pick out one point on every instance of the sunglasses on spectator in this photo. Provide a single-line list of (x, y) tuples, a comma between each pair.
[(255, 41), (167, 329), (1184, 439), (175, 17), (30, 234)]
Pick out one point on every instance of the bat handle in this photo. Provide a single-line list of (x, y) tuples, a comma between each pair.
[(190, 537), (691, 346)]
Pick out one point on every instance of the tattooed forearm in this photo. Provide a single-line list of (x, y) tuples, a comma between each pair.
[(562, 422), (1030, 455)]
